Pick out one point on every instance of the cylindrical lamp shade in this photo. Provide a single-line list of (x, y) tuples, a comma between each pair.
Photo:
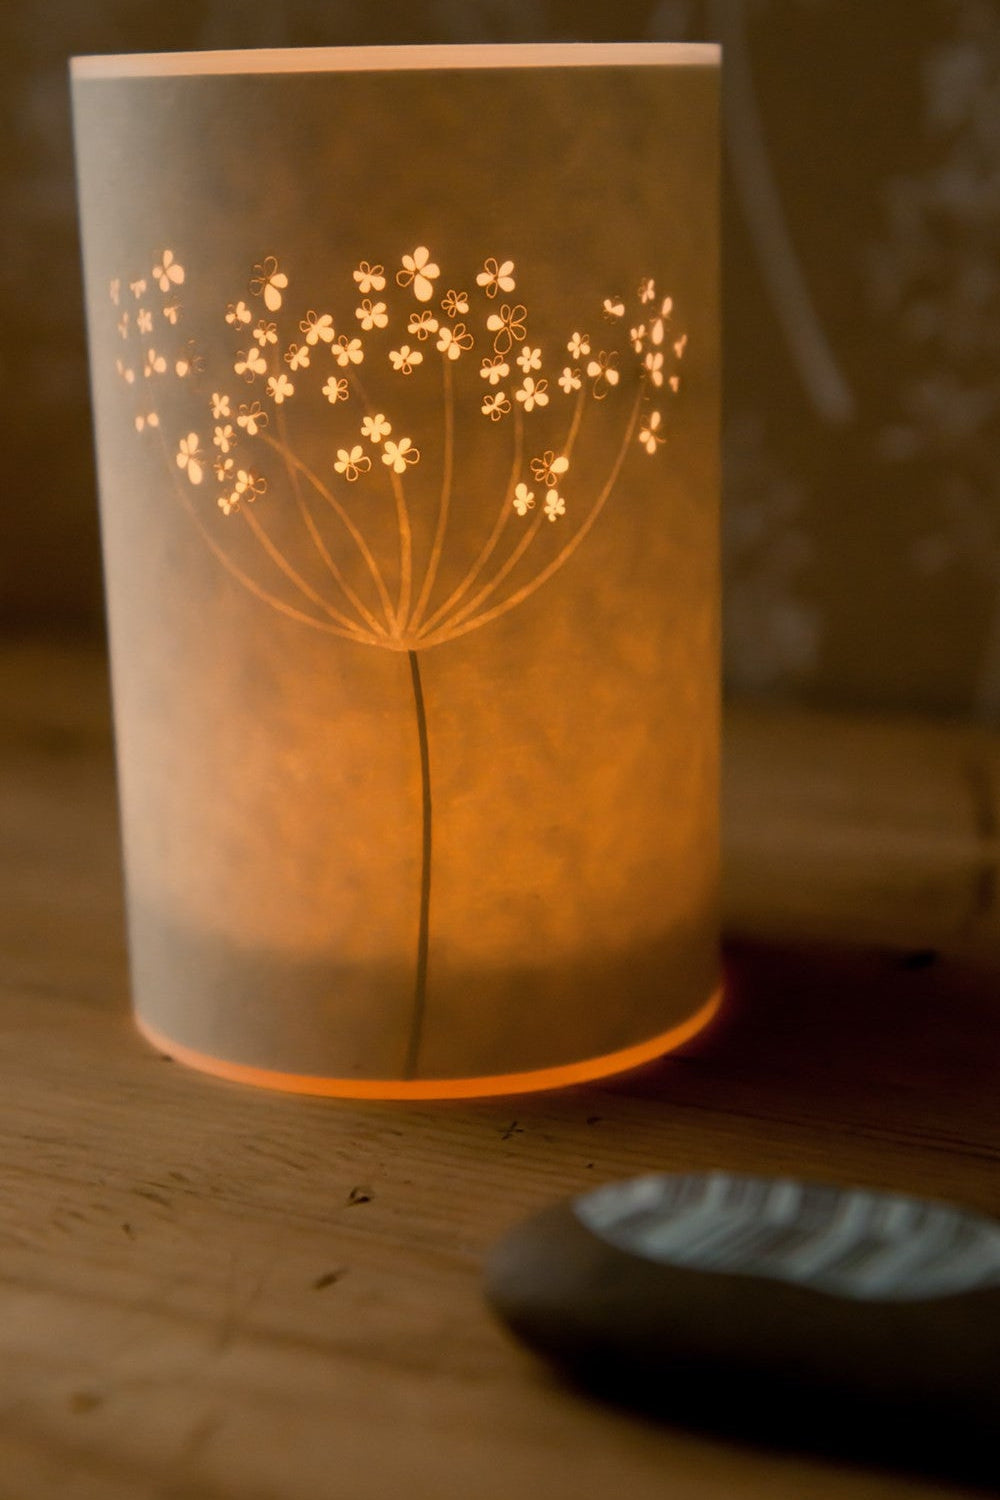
[(405, 372)]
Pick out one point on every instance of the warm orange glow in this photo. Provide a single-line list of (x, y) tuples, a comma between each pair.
[(443, 1088)]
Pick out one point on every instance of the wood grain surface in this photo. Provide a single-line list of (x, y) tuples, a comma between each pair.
[(209, 1291)]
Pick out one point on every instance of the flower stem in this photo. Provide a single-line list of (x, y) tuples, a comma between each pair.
[(420, 981)]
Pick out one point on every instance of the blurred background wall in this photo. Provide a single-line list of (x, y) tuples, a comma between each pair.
[(862, 316)]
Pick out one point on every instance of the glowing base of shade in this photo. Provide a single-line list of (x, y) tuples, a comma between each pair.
[(441, 1088)]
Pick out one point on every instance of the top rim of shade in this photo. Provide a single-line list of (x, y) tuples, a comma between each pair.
[(397, 58)]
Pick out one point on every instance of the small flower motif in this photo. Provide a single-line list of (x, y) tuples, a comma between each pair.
[(637, 337), (229, 502), (371, 314), (115, 290), (352, 462), (220, 405), (238, 315), (548, 468), (455, 303), (172, 311), (297, 356), (249, 485), (147, 419), (524, 499), (376, 428), (144, 320), (250, 364), (529, 359), (404, 358), (570, 380), (681, 345), (423, 323), (224, 437), (554, 505), (317, 327), (125, 371), (650, 435), (532, 393), (659, 324), (451, 341), (579, 345), (495, 405), (674, 383), (494, 370), (123, 324), (507, 327), (268, 282), (168, 273), (137, 288), (653, 366), (265, 333), (602, 371), (647, 289), (155, 364), (190, 362), (223, 468), (613, 308), (279, 388), (420, 272), (252, 418), (369, 278), (348, 351), (398, 455), (336, 390), (189, 458), (495, 278)]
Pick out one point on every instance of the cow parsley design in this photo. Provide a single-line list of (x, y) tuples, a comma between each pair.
[(382, 364)]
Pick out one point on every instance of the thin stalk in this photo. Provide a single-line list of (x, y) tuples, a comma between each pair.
[(423, 933), (446, 479)]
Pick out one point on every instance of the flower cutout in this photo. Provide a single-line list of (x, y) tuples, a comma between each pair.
[(146, 419), (681, 345), (507, 327), (399, 455), (252, 418), (404, 358), (279, 388), (455, 303), (155, 364), (189, 362), (369, 278), (115, 290), (548, 468), (220, 405), (238, 315), (647, 289), (653, 366), (532, 393), (570, 380), (297, 356), (451, 341), (144, 320), (371, 315), (137, 288), (494, 370), (524, 499), (249, 485), (171, 311), (347, 351), (495, 278), (637, 337), (317, 327), (224, 437), (420, 272), (265, 333), (422, 323), (352, 463), (613, 308), (656, 333), (250, 364), (554, 505), (376, 428), (189, 458), (650, 435), (602, 371), (123, 324), (268, 282), (168, 273), (125, 371), (495, 405), (529, 359), (674, 383), (336, 390), (229, 503), (579, 345), (223, 468)]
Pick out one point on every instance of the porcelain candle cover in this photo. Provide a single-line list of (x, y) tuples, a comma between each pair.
[(405, 374)]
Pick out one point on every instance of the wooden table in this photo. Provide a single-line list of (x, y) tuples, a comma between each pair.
[(208, 1291)]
